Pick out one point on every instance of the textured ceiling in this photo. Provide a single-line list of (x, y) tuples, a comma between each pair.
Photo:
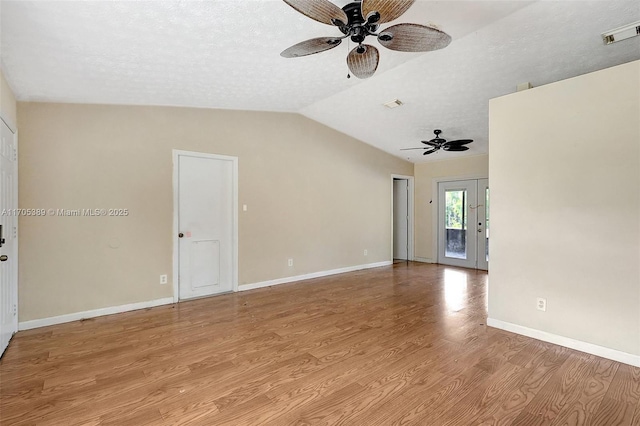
[(225, 54)]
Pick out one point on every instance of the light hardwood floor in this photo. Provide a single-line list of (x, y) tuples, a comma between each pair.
[(405, 344)]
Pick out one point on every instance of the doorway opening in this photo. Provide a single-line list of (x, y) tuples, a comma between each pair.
[(402, 218)]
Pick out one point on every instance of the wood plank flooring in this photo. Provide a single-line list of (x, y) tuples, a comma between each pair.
[(405, 344)]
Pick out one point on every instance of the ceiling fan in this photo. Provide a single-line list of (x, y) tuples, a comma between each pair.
[(436, 143), (359, 20)]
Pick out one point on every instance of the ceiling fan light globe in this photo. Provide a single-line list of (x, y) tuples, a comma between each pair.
[(359, 34)]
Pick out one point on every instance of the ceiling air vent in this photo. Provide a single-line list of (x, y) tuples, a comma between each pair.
[(622, 33), (393, 104)]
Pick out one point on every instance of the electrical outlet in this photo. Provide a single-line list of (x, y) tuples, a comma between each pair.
[(163, 279), (365, 252), (541, 304), (290, 262)]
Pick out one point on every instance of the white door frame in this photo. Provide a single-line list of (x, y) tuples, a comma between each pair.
[(435, 205), (410, 180), (176, 223), (483, 263), (14, 255)]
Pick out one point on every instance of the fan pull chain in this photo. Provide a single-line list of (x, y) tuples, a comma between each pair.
[(348, 50)]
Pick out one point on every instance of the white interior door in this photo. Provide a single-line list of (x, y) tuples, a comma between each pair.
[(207, 212), (400, 219), (8, 236), (462, 223)]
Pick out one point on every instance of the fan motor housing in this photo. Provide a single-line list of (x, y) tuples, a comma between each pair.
[(354, 13), (357, 27)]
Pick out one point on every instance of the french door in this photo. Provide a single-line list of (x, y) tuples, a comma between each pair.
[(463, 223)]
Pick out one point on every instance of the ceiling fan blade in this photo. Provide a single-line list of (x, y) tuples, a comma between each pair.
[(430, 152), (365, 64), (309, 47), (413, 38), (388, 9), (460, 142), (432, 143), (320, 10), (455, 148), (407, 149)]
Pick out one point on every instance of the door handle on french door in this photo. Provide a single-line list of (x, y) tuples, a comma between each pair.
[(479, 230), (4, 258), (180, 235)]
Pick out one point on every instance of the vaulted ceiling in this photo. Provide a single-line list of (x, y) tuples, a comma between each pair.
[(226, 54)]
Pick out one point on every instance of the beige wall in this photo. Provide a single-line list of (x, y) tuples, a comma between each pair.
[(7, 103), (312, 193), (565, 208), (425, 176)]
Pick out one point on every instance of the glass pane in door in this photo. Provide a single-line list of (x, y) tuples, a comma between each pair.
[(456, 224)]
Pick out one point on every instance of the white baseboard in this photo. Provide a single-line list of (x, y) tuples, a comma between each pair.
[(567, 342), (423, 260), (286, 280), (43, 322)]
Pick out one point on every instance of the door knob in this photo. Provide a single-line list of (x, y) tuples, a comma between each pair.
[(4, 258), (180, 235), (479, 230)]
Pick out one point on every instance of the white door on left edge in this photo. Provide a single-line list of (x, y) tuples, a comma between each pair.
[(8, 235), (206, 224)]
